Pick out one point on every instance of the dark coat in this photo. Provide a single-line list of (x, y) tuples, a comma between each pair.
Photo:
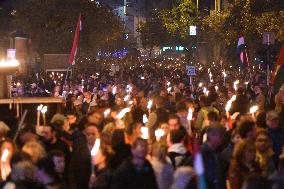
[(212, 168), (128, 176), (103, 179), (80, 165)]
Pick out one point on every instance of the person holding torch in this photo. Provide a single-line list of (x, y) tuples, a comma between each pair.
[(81, 159)]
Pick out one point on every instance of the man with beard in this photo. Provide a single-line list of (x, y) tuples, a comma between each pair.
[(51, 142)]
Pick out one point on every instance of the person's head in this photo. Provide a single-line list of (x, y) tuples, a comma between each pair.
[(245, 151), (240, 91), (35, 150), (45, 169), (212, 117), (160, 101), (165, 127), (235, 137), (256, 89), (272, 119), (261, 120), (4, 129), (139, 149), (23, 170), (247, 129), (133, 129), (87, 96), (263, 140), (71, 117), (92, 133), (96, 118), (117, 138), (119, 101), (174, 122), (159, 151), (58, 159), (18, 157), (224, 120), (143, 103), (177, 135), (103, 157), (181, 109), (48, 133), (26, 135), (215, 134)]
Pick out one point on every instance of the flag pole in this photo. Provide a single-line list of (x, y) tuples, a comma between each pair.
[(75, 47)]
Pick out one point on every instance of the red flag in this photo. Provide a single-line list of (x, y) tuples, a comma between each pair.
[(75, 42), (279, 62)]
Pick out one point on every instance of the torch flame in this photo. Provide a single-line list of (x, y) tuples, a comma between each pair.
[(189, 115), (122, 113), (106, 112), (44, 109), (39, 108), (145, 134), (159, 133), (126, 98), (253, 109), (228, 105), (149, 105), (5, 155), (145, 119), (96, 147)]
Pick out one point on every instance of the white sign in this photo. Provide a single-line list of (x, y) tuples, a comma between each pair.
[(192, 30), (11, 53), (190, 70)]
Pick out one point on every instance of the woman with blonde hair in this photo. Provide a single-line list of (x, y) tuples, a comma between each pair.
[(35, 150), (243, 163), (162, 167)]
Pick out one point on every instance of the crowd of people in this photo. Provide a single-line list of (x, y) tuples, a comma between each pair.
[(142, 127)]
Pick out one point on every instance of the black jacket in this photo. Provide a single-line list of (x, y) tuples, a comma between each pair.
[(128, 176), (80, 165)]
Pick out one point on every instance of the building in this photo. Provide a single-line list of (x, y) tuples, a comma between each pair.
[(132, 13)]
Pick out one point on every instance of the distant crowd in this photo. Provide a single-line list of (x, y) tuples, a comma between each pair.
[(143, 126)]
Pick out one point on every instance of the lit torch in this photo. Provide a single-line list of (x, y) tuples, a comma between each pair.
[(39, 108), (159, 133), (5, 155), (106, 112), (43, 111), (149, 105)]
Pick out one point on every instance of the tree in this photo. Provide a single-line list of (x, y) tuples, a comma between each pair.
[(249, 18), (178, 19), (153, 33), (51, 25)]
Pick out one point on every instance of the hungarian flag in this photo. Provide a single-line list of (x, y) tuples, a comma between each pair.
[(198, 166), (75, 42), (242, 53), (277, 76)]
